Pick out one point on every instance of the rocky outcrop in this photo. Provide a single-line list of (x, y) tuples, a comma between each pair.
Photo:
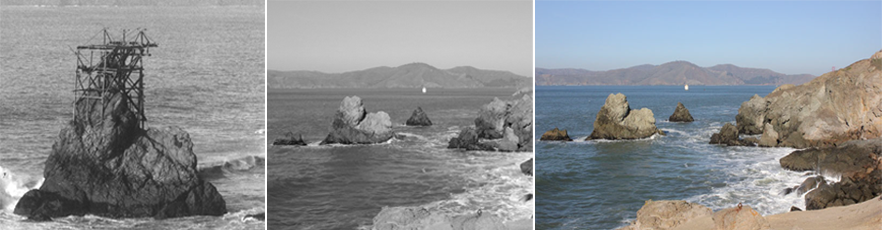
[(418, 118), (858, 163), (738, 218), (555, 135), (616, 120), (290, 139), (103, 163), (527, 167), (728, 135), (667, 214), (769, 137), (838, 106), (681, 114), (420, 218), (354, 125), (500, 126)]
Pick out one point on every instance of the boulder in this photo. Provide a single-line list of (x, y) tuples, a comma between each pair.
[(500, 126), (418, 118), (104, 164), (290, 139), (728, 135), (508, 142), (836, 107), (491, 119), (616, 120), (740, 218), (555, 135), (527, 167), (353, 125), (392, 218), (681, 114), (667, 214), (769, 137)]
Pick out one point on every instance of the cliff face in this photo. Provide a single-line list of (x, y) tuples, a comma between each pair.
[(103, 164), (836, 107)]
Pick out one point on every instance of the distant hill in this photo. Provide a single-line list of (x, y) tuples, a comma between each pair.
[(412, 75), (671, 73)]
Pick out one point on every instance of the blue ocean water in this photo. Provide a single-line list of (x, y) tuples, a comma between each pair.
[(344, 187), (206, 76), (601, 184)]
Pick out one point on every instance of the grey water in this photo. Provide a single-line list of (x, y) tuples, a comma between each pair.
[(345, 187), (601, 184), (206, 76)]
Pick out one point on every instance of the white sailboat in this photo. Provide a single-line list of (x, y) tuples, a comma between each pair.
[(686, 87), (424, 89)]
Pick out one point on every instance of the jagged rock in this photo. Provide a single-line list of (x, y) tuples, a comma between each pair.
[(667, 214), (555, 135), (391, 218), (728, 135), (508, 142), (838, 106), (290, 139), (809, 184), (353, 125), (491, 119), (527, 167), (681, 114), (616, 120), (769, 137), (739, 218), (467, 139), (492, 126), (103, 164), (418, 118)]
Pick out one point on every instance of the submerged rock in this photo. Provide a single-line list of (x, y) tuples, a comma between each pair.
[(681, 114), (418, 118), (500, 126), (290, 139), (667, 214), (555, 135), (104, 164), (353, 125), (616, 120)]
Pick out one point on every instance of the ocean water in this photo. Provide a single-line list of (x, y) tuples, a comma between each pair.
[(344, 187), (601, 184), (206, 76)]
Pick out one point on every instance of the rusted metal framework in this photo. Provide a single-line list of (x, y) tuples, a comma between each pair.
[(115, 65)]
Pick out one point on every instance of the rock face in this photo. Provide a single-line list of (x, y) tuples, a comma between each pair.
[(737, 218), (681, 114), (555, 135), (527, 167), (353, 125), (838, 106), (858, 163), (420, 218), (728, 135), (418, 118), (616, 120), (769, 137), (500, 126), (103, 164), (290, 139), (667, 214)]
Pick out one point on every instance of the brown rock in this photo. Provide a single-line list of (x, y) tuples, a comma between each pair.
[(681, 114), (667, 214), (739, 218), (616, 120), (770, 137), (555, 135)]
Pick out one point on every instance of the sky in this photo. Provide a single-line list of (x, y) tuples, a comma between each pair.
[(790, 37), (341, 36)]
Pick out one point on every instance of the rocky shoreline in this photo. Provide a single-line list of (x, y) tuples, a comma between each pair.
[(500, 126)]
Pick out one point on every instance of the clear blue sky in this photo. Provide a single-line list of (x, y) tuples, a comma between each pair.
[(791, 37)]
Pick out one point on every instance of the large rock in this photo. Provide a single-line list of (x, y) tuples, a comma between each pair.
[(527, 167), (769, 137), (399, 218), (491, 119), (740, 218), (681, 114), (838, 106), (104, 164), (418, 118), (616, 120), (353, 125), (728, 135), (667, 214), (555, 135), (290, 139), (491, 131), (508, 142)]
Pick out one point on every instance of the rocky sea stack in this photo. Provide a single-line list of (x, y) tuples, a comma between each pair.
[(555, 135), (354, 125), (500, 126), (838, 106), (104, 164), (418, 118), (681, 114), (616, 120), (290, 139)]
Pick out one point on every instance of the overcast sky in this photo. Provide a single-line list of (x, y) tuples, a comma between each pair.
[(341, 36), (791, 37)]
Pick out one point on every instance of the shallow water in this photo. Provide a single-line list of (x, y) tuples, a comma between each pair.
[(601, 184), (206, 76), (344, 187)]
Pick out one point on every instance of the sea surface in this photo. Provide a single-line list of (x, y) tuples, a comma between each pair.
[(601, 184), (344, 187), (206, 76)]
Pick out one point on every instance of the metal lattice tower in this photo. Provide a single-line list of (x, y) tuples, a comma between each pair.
[(114, 65)]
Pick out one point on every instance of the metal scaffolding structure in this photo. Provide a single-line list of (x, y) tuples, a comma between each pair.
[(115, 65)]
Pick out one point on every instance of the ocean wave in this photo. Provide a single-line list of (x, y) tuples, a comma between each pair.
[(239, 165), (14, 187)]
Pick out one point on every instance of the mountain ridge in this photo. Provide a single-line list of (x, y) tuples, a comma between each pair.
[(670, 73), (411, 75)]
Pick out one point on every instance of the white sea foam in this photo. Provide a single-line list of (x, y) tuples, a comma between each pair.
[(14, 187)]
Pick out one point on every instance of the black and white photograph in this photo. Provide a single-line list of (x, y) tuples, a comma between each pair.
[(400, 114), (132, 114)]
